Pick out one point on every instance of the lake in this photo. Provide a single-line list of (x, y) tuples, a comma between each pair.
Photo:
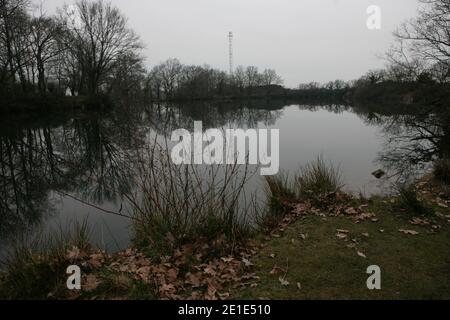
[(58, 169)]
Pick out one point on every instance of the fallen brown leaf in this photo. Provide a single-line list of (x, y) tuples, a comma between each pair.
[(341, 236), (276, 270), (211, 292), (283, 281), (172, 274), (209, 270), (90, 283), (192, 280), (224, 295), (362, 255), (409, 232), (96, 260), (419, 221), (351, 211), (227, 260), (247, 262), (74, 253)]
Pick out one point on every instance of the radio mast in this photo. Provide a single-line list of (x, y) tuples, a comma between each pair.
[(230, 37)]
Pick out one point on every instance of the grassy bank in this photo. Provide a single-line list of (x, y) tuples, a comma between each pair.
[(321, 257), (311, 241)]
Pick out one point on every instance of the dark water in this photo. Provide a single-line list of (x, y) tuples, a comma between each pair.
[(55, 170)]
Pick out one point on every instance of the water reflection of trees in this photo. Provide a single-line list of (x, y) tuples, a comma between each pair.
[(334, 108), (96, 157), (22, 184), (91, 156), (243, 114), (412, 139), (87, 156)]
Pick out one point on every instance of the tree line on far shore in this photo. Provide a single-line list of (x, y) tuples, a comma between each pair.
[(88, 49), (171, 80)]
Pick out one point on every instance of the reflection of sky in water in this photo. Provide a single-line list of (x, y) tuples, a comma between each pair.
[(341, 138), (107, 231)]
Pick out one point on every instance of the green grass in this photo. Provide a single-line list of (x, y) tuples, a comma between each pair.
[(37, 266), (318, 178), (280, 195), (408, 200), (36, 269), (412, 267), (116, 285), (314, 182)]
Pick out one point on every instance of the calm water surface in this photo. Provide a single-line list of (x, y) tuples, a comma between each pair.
[(57, 170)]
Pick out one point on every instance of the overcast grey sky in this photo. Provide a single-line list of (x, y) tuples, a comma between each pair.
[(304, 40)]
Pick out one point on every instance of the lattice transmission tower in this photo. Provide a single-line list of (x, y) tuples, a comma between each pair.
[(230, 52)]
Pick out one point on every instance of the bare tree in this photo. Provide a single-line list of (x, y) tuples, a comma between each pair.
[(375, 76), (239, 77), (339, 84), (12, 27), (170, 72), (440, 72), (44, 45), (128, 75), (101, 38), (252, 77), (154, 83), (309, 86), (424, 40), (403, 66), (270, 77)]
